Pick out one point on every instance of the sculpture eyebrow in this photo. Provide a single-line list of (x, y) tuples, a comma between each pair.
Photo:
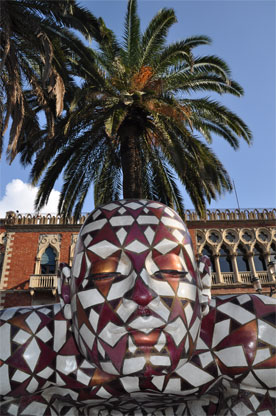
[(97, 276)]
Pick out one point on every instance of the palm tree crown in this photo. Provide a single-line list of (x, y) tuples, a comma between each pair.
[(132, 127), (33, 47)]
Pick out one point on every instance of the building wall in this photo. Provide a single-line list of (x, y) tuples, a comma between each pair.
[(24, 239)]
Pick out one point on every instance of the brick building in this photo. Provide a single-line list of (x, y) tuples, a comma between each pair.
[(240, 244)]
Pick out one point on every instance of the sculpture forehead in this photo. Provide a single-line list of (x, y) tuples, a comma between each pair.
[(121, 221)]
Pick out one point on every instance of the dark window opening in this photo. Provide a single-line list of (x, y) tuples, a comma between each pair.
[(48, 262), (242, 260), (259, 260), (208, 252), (225, 260)]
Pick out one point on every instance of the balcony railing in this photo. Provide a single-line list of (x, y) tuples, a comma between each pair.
[(245, 278), (43, 282)]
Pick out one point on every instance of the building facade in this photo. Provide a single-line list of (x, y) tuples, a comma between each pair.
[(240, 244)]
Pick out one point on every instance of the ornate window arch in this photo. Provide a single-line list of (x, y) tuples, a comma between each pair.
[(46, 241)]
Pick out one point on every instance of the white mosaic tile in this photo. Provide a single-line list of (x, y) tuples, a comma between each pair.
[(44, 334), (147, 219), (177, 330), (5, 333), (236, 312), (109, 368), (5, 386), (173, 386), (160, 287), (93, 319), (158, 381), (165, 246), (87, 240), (134, 364), (261, 355), (111, 333), (221, 330), (100, 348), (169, 222), (205, 358), (186, 291), (130, 383), (131, 346), (66, 364), (87, 336), (103, 249), (32, 386), (118, 289), (60, 334), (136, 247), (46, 373), (32, 354), (160, 360), (90, 298), (122, 221), (243, 299), (121, 234), (83, 378), (232, 356), (194, 375), (20, 376), (266, 332), (33, 321), (149, 234), (161, 342), (126, 308), (102, 392), (160, 308), (92, 226), (133, 205), (96, 214), (267, 376), (13, 409), (178, 235), (194, 330)]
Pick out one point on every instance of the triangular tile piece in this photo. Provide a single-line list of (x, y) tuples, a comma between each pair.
[(117, 353)]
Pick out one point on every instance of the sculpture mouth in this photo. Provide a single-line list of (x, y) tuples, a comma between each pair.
[(146, 324), (143, 339)]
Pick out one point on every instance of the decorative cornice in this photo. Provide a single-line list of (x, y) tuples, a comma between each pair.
[(49, 220)]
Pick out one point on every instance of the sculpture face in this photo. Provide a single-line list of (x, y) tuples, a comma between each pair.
[(135, 289)]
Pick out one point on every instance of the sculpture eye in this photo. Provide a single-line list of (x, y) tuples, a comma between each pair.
[(170, 274), (104, 276)]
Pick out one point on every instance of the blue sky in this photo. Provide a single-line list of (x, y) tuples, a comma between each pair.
[(243, 34)]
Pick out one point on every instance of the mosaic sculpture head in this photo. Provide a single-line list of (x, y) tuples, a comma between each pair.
[(135, 289)]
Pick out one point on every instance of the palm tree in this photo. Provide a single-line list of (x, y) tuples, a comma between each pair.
[(133, 127), (34, 47)]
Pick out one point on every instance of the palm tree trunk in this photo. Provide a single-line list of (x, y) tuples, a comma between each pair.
[(131, 164)]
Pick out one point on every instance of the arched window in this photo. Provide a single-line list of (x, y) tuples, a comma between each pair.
[(242, 260), (208, 252), (48, 262), (259, 260), (225, 260)]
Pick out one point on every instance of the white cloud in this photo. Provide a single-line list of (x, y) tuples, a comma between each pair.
[(20, 196)]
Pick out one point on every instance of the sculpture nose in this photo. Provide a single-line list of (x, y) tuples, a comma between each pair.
[(141, 293)]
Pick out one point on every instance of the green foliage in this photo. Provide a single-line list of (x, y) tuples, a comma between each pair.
[(132, 128)]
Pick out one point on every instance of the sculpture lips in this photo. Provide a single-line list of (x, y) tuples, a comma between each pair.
[(146, 324), (142, 339)]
